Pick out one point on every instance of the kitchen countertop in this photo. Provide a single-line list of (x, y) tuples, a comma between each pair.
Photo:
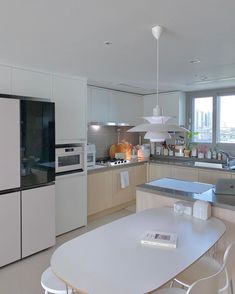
[(178, 161), (223, 201), (102, 168), (188, 162)]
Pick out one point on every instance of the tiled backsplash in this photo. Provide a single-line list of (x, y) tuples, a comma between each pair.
[(104, 136)]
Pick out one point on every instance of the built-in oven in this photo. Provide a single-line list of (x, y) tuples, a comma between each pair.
[(69, 158), (91, 155)]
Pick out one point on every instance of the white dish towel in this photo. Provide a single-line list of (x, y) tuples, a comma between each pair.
[(124, 177)]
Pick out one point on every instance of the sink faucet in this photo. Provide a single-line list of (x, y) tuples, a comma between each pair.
[(227, 157)]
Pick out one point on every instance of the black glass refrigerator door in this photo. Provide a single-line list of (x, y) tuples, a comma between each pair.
[(37, 143)]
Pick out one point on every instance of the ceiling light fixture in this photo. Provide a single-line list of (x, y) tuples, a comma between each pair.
[(195, 61), (157, 129), (108, 43)]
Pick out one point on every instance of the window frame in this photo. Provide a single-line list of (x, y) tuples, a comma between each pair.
[(229, 147)]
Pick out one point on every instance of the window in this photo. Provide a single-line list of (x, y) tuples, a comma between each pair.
[(202, 119), (213, 117), (226, 119)]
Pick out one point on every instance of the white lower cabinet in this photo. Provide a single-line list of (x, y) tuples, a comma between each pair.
[(38, 219), (71, 202), (9, 228)]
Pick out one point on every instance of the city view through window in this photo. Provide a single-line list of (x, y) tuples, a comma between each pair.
[(203, 119), (203, 114), (226, 119)]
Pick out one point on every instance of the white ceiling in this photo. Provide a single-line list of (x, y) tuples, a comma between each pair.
[(68, 36)]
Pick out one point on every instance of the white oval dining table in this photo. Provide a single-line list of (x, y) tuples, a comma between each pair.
[(111, 259)]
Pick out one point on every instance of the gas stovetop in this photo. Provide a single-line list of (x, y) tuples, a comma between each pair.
[(112, 162)]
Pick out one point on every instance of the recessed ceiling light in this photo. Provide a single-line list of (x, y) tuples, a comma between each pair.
[(107, 43), (194, 61)]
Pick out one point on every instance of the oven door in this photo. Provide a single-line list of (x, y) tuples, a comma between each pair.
[(69, 159)]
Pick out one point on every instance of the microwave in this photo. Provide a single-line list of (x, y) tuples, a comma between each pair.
[(69, 159), (91, 155)]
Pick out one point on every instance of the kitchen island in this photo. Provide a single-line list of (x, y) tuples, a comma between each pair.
[(149, 195)]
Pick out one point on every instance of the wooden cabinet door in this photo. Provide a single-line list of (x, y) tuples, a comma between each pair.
[(210, 176), (158, 171), (99, 192), (10, 143), (140, 174), (185, 173), (38, 219), (10, 245), (122, 195)]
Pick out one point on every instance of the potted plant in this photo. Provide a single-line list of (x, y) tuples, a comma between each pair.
[(189, 145)]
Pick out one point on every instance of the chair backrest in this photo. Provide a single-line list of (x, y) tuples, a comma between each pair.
[(209, 285), (229, 260)]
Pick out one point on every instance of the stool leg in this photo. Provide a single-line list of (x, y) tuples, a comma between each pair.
[(67, 289), (231, 286)]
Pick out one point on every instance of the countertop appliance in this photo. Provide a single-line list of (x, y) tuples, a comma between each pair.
[(91, 155), (71, 188), (69, 158), (112, 162)]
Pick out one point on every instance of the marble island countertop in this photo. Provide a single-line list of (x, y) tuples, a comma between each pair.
[(221, 200)]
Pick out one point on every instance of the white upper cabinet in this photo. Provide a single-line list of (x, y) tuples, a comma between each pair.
[(10, 143), (173, 104), (70, 97), (106, 105), (31, 83), (126, 107), (99, 104), (5, 79)]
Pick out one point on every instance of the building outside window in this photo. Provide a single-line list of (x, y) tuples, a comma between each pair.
[(212, 115), (202, 119), (226, 119)]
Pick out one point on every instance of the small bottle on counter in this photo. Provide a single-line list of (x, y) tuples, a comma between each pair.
[(171, 150), (214, 154), (208, 154), (201, 153), (165, 151), (219, 156), (194, 152)]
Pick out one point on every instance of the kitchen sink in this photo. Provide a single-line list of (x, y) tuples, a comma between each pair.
[(208, 164)]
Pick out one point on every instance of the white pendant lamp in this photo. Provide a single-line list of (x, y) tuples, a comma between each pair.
[(157, 110), (157, 137), (157, 129)]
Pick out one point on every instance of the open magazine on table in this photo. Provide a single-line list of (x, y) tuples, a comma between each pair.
[(159, 239)]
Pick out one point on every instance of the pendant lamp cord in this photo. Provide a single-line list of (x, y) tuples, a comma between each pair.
[(157, 68)]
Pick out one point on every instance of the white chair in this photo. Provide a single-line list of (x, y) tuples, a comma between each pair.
[(209, 285), (208, 266), (51, 284)]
